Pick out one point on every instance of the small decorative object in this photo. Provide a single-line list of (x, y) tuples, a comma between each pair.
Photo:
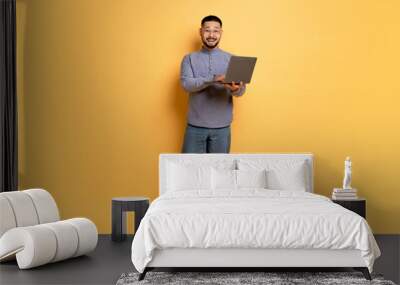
[(347, 192), (347, 173)]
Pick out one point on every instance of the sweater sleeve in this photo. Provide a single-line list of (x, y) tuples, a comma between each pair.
[(189, 82)]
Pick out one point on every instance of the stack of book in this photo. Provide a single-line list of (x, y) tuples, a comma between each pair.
[(344, 194)]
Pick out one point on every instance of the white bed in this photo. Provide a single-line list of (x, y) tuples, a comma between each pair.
[(248, 227)]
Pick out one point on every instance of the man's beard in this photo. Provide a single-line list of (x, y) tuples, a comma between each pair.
[(210, 47)]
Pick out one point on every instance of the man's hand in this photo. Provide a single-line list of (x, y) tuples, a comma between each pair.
[(219, 77), (233, 87)]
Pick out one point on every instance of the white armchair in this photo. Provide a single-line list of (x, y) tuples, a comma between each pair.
[(31, 230)]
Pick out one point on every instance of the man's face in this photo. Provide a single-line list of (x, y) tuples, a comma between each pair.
[(210, 34)]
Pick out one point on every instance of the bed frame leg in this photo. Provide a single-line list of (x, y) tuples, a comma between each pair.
[(143, 274), (364, 271)]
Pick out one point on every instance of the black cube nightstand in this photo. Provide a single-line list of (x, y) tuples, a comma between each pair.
[(122, 205), (356, 205)]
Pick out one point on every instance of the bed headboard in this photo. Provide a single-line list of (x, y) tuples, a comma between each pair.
[(165, 157)]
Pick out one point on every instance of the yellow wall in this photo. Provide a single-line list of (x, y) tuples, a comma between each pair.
[(99, 96)]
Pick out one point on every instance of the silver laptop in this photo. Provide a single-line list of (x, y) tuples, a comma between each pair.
[(240, 68)]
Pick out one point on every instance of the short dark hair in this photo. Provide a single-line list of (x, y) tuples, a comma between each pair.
[(211, 18)]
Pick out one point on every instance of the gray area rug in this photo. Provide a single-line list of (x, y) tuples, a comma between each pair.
[(231, 278)]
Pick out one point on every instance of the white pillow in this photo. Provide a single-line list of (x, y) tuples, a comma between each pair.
[(282, 174), (236, 179), (188, 177), (251, 178), (223, 179), (287, 179)]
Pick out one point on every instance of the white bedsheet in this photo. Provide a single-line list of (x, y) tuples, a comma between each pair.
[(250, 218)]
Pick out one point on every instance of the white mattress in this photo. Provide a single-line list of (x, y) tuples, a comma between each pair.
[(251, 219)]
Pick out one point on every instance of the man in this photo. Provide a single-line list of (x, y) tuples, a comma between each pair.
[(210, 103)]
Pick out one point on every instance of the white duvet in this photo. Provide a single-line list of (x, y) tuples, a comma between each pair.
[(250, 218)]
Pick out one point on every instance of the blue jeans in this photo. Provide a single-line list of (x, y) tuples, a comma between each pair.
[(205, 140)]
